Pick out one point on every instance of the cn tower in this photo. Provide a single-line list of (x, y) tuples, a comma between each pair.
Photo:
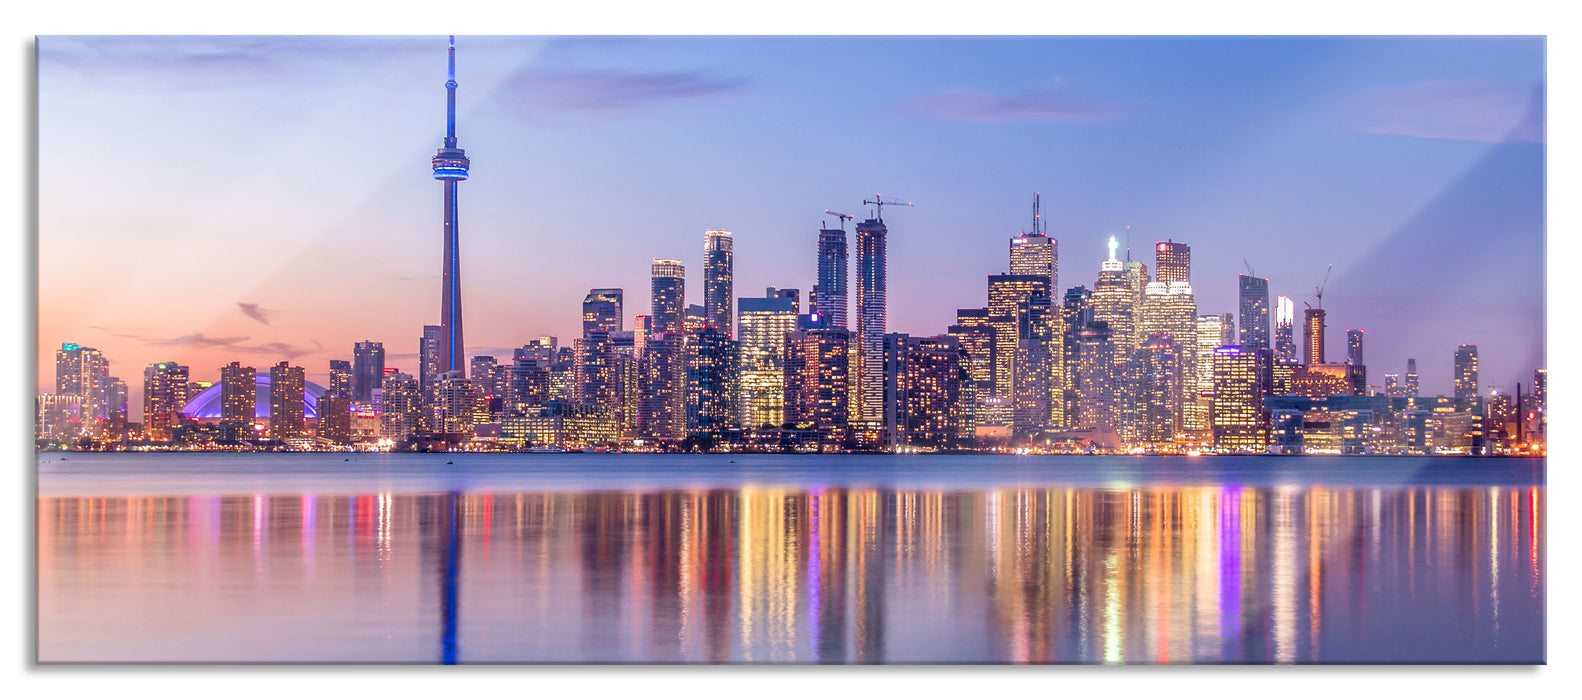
[(450, 167)]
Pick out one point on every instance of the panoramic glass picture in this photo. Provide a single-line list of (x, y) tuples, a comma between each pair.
[(816, 350)]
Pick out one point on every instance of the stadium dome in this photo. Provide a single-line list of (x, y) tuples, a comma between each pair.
[(207, 403)]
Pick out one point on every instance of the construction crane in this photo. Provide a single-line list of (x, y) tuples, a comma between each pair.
[(878, 201), (1250, 273), (1319, 290), (842, 217)]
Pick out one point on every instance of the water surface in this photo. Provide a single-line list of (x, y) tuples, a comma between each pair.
[(788, 559)]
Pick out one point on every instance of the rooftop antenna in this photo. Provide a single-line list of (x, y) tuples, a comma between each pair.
[(1128, 243)]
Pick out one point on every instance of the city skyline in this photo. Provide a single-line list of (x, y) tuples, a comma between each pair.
[(925, 290)]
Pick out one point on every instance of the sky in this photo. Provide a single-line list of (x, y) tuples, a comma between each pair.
[(209, 199)]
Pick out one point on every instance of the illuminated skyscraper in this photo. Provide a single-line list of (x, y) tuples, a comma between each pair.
[(1097, 380), (717, 280), (975, 339), (763, 324), (1254, 311), (1313, 336), (430, 356), (1169, 309), (1007, 294), (164, 393), (334, 419), (1172, 262), (1354, 346), (1392, 385), (454, 403), (1213, 331), (922, 393), (1466, 371), (287, 402), (1076, 314), (1412, 385), (238, 394), (663, 410), (368, 370), (1240, 424), (402, 412), (1038, 374), (1034, 254), (601, 310), (871, 319), (1284, 329), (450, 167), (1540, 401), (84, 373), (829, 299), (816, 380), (1158, 384), (341, 379), (711, 372), (1114, 302)]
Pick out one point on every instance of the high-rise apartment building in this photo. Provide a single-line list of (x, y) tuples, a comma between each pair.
[(1240, 383), (334, 420), (1412, 386), (717, 280), (1158, 385), (663, 409), (401, 413), (164, 393), (1313, 336), (922, 397), (1466, 378), (1076, 314), (287, 402), (1284, 329), (871, 319), (1097, 380), (238, 394), (341, 379), (817, 392), (1392, 385), (829, 301), (711, 375), (84, 373), (1038, 370), (368, 370), (454, 404), (1213, 331), (430, 357), (763, 324), (1254, 296), (1354, 346)]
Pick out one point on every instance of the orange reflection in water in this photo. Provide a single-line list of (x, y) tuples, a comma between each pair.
[(1019, 575)]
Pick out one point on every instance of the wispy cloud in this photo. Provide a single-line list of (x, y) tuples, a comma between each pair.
[(1490, 111), (1054, 101), (255, 312), (233, 343), (611, 91), (207, 62)]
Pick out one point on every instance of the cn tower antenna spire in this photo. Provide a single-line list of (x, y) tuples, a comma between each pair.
[(450, 98)]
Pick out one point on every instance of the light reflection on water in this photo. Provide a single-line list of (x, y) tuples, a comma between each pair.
[(1157, 573)]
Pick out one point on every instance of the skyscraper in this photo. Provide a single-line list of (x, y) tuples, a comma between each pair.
[(1007, 293), (1034, 254), (1240, 383), (1158, 387), (1213, 331), (430, 356), (1169, 312), (601, 310), (1096, 379), (84, 373), (1411, 386), (717, 282), (764, 323), (238, 394), (287, 401), (450, 167), (1284, 329), (1114, 302), (922, 393), (871, 318), (1254, 311), (341, 379), (164, 393), (1354, 346), (829, 295), (1466, 371), (1313, 336), (663, 411), (368, 370), (711, 371), (402, 414), (816, 391), (1172, 262), (334, 421)]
